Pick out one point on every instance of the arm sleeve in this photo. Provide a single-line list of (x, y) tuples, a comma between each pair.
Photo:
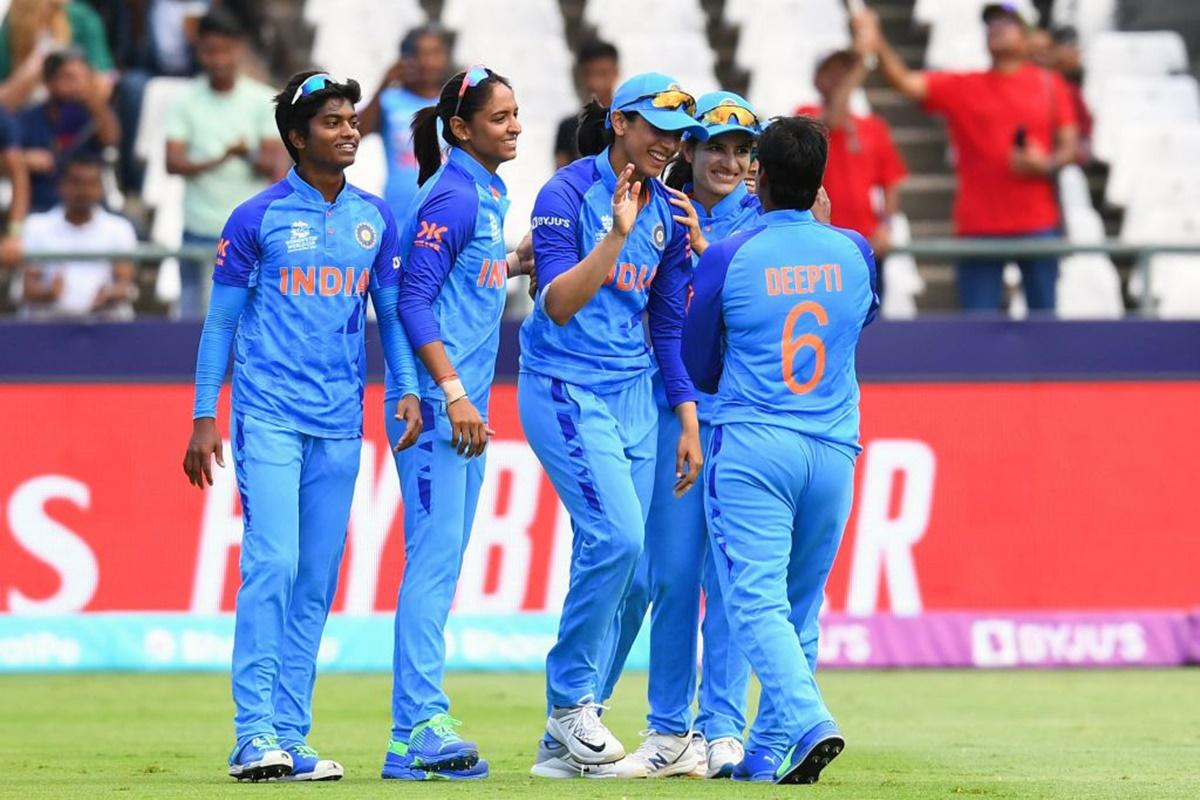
[(238, 251), (864, 247), (175, 125), (666, 306), (212, 359), (1064, 103), (445, 225), (385, 295), (941, 91), (704, 328), (554, 223)]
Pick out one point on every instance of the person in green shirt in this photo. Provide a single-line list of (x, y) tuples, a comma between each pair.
[(33, 29), (221, 138)]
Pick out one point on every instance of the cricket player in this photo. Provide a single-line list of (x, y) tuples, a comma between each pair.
[(293, 270), (772, 328)]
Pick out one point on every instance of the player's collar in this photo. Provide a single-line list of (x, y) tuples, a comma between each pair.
[(783, 216), (604, 167), (478, 172), (729, 204), (308, 191)]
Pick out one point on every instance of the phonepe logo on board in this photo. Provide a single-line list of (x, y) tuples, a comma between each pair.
[(1007, 643), (552, 222)]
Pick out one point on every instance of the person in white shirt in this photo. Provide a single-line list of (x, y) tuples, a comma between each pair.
[(79, 288)]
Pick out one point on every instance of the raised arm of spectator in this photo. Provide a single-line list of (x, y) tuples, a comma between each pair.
[(108, 127), (869, 38), (371, 117), (18, 176), (838, 108)]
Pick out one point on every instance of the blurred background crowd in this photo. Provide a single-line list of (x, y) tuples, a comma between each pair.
[(1068, 121)]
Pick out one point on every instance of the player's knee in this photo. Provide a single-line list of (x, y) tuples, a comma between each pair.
[(625, 543)]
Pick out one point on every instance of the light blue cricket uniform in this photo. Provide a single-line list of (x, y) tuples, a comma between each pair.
[(453, 291), (775, 321), (292, 275), (397, 106), (587, 404), (669, 574)]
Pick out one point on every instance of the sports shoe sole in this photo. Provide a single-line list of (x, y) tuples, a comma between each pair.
[(580, 752), (726, 771), (808, 770), (325, 771), (429, 774), (261, 771)]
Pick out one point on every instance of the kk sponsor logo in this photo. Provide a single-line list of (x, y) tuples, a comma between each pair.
[(222, 252), (430, 235)]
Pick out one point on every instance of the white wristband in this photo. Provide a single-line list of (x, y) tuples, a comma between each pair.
[(453, 390), (514, 263)]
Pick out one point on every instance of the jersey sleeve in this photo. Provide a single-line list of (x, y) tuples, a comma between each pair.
[(864, 247), (704, 327), (554, 224), (175, 126), (239, 249), (666, 307), (445, 225), (212, 359), (942, 91), (385, 296)]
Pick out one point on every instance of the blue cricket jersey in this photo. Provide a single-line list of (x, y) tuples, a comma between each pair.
[(734, 212), (454, 275), (603, 347), (299, 354), (396, 108), (774, 323)]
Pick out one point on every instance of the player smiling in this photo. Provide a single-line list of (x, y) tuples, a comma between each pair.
[(293, 270)]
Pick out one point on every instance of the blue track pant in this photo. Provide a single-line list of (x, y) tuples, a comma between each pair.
[(440, 490), (674, 565), (598, 450), (296, 492), (777, 503)]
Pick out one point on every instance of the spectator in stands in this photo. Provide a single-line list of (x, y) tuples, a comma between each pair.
[(1012, 128), (1068, 61), (12, 165), (79, 288), (412, 83), (221, 138), (33, 29), (597, 67), (75, 118), (862, 156)]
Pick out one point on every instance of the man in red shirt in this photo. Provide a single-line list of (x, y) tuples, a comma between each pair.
[(862, 156), (1011, 127)]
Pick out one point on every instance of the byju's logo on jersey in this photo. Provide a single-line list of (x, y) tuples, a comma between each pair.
[(302, 237), (659, 236), (365, 235)]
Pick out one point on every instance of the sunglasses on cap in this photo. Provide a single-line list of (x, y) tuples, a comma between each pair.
[(668, 99), (471, 78), (311, 84), (729, 114)]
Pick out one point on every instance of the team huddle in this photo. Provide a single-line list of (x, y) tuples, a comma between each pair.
[(686, 380)]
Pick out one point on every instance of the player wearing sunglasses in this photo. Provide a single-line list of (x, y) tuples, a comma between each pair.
[(606, 251), (293, 269), (451, 299)]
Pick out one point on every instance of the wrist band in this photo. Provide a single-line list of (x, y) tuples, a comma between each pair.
[(514, 263), (453, 390), (462, 396), (449, 376)]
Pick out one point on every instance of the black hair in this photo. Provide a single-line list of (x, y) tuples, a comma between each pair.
[(843, 58), (593, 135), (679, 172), (596, 50), (424, 122), (792, 153), (219, 22), (84, 158), (59, 59), (408, 45), (296, 116)]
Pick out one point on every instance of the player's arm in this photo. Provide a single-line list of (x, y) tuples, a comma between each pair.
[(234, 269), (869, 38), (397, 352), (18, 177), (704, 326), (666, 307), (565, 283), (446, 222)]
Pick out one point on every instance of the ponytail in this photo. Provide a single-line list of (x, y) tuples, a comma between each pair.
[(593, 136), (678, 172), (425, 143), (425, 122)]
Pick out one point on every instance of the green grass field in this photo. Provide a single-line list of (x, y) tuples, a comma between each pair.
[(910, 735)]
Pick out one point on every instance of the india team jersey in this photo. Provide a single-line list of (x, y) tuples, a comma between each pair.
[(299, 357), (454, 274), (397, 107), (774, 324), (603, 347)]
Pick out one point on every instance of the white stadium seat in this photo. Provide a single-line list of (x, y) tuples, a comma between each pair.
[(1174, 279), (1119, 54), (902, 281), (1129, 102), (1089, 286), (1073, 189), (1143, 148)]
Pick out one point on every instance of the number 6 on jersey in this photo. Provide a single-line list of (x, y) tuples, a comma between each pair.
[(793, 346)]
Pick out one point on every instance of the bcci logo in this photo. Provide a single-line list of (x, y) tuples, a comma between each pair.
[(364, 234), (659, 236)]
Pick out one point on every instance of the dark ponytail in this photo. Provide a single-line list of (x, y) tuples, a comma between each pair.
[(678, 172), (593, 136), (425, 122)]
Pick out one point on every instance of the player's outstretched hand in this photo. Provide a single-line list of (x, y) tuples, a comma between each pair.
[(408, 411), (468, 432), (688, 461), (204, 444), (625, 201)]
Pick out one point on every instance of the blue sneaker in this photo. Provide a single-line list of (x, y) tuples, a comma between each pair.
[(757, 765), (434, 747), (807, 757), (258, 759), (307, 765)]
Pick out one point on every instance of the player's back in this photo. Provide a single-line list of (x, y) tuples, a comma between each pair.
[(795, 295)]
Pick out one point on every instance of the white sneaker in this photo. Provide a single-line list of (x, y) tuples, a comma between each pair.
[(585, 736), (723, 755), (700, 751), (554, 761), (665, 754)]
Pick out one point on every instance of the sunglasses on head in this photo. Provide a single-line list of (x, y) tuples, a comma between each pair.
[(311, 84), (471, 78), (669, 99), (728, 115)]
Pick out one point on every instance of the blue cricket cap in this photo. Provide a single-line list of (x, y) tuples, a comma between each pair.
[(722, 112), (661, 101)]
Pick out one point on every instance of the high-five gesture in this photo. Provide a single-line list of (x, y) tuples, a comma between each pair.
[(625, 201)]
